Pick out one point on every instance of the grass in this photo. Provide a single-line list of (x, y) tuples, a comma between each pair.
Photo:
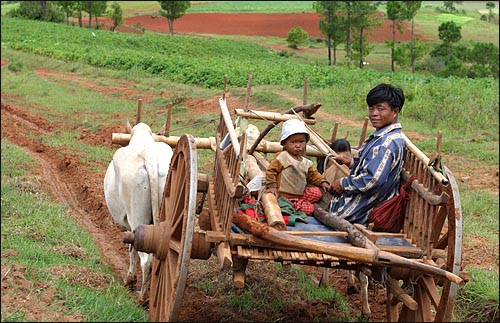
[(55, 251)]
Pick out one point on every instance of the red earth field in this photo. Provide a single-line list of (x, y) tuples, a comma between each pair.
[(65, 177)]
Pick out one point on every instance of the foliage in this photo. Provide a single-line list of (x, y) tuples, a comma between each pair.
[(331, 25), (296, 37), (402, 53), (173, 10), (490, 5), (484, 59), (34, 10), (449, 32), (450, 5), (115, 13)]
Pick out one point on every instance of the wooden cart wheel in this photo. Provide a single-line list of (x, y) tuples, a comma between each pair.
[(176, 222), (436, 304)]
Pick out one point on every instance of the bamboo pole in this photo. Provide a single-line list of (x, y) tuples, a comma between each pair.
[(425, 160), (229, 125), (363, 132), (269, 116)]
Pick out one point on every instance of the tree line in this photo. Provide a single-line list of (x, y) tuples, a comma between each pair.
[(342, 22)]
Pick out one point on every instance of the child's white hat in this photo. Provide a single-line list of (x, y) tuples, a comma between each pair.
[(291, 127)]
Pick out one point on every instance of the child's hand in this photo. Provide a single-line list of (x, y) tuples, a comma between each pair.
[(272, 190), (326, 186)]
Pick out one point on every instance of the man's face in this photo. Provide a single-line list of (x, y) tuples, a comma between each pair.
[(295, 145), (381, 115)]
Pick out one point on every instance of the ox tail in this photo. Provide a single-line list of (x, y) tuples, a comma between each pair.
[(152, 170)]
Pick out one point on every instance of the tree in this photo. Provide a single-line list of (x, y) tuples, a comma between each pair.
[(449, 32), (331, 26), (115, 13), (173, 10), (38, 10), (490, 5), (68, 7), (296, 36), (450, 5), (363, 17), (410, 11), (395, 12), (484, 60), (93, 8)]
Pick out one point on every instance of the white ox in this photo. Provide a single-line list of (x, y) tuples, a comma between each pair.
[(133, 189)]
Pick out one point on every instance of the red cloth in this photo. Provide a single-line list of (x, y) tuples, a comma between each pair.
[(388, 216), (312, 194)]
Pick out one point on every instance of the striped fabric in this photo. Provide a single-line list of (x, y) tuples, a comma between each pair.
[(374, 176)]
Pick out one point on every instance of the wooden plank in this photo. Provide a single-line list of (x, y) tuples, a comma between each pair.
[(430, 288)]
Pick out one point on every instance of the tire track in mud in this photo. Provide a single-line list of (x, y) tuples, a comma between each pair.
[(62, 184)]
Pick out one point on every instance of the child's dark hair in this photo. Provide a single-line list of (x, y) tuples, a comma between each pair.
[(338, 145), (386, 92)]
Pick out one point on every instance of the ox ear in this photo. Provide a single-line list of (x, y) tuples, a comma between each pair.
[(128, 127)]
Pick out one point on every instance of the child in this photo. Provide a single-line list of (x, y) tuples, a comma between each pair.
[(340, 146), (289, 173)]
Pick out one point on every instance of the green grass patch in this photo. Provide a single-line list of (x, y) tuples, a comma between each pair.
[(477, 301), (56, 253)]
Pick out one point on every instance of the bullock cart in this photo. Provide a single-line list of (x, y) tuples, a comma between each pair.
[(419, 267)]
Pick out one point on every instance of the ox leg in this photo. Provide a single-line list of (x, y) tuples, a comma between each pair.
[(363, 281), (146, 266), (131, 279), (351, 283)]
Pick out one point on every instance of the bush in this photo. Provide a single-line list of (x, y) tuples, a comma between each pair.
[(296, 36)]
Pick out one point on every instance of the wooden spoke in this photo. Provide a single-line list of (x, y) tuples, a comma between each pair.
[(177, 215)]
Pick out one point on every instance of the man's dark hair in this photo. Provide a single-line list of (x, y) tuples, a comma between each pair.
[(386, 92)]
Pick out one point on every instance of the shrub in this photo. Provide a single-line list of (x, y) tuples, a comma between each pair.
[(296, 36)]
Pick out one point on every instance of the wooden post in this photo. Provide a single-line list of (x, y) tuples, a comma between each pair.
[(334, 132), (363, 133), (139, 111), (304, 99), (169, 119), (224, 91)]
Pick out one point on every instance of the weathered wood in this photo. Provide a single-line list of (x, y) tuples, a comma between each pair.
[(353, 235), (398, 292), (273, 212), (229, 126), (269, 116), (425, 160), (374, 257)]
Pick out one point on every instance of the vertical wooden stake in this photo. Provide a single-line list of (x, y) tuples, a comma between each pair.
[(139, 111), (334, 132), (225, 84), (249, 86), (169, 120), (363, 133), (438, 145), (304, 100)]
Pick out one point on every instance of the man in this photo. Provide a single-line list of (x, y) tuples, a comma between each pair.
[(375, 170)]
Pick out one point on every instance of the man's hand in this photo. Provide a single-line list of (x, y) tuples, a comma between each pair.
[(336, 187)]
